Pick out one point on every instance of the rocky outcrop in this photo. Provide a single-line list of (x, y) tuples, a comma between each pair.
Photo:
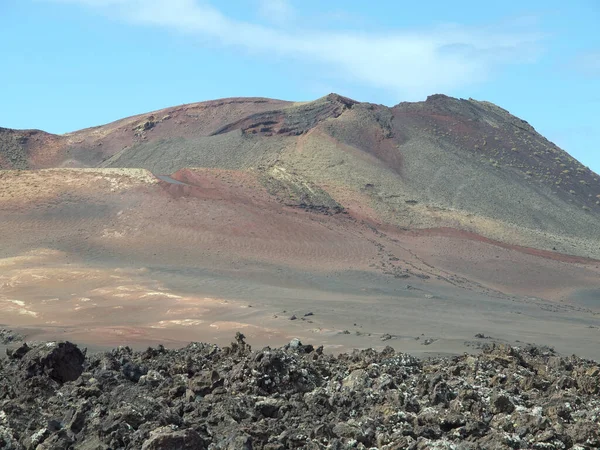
[(203, 396), (8, 336), (167, 439), (62, 361)]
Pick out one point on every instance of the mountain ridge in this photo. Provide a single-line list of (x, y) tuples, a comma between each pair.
[(442, 162), (341, 223)]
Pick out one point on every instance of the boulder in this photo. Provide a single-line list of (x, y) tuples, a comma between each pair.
[(501, 403), (165, 438), (61, 361), (133, 371)]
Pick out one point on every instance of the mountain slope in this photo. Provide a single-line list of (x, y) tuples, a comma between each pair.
[(121, 257), (440, 163)]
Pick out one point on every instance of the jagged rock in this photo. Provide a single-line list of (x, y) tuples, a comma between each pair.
[(501, 404), (56, 441), (296, 345), (205, 383), (133, 372), (237, 442), (152, 378), (31, 442), (201, 396), (9, 336), (61, 361), (19, 352), (7, 439), (167, 439), (269, 407)]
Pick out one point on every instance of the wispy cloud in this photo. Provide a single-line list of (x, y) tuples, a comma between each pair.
[(407, 63), (276, 11)]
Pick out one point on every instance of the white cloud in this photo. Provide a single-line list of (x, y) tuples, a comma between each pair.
[(276, 11), (407, 63)]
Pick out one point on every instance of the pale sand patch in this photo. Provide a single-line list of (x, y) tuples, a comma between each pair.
[(161, 294), (30, 257), (45, 185), (8, 310), (193, 311), (175, 323), (16, 302), (258, 335), (49, 300), (112, 234), (122, 303), (232, 327)]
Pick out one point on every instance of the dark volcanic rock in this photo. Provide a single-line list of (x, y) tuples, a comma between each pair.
[(18, 353), (133, 371), (501, 404), (205, 397), (61, 361), (167, 439), (9, 337)]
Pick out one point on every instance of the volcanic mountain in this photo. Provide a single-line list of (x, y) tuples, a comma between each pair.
[(445, 162), (292, 206)]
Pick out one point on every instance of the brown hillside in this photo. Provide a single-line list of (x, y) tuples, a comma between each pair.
[(445, 162), (120, 257)]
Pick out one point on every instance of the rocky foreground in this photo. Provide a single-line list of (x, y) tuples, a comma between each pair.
[(53, 396)]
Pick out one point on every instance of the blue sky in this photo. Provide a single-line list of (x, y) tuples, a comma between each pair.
[(70, 64)]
